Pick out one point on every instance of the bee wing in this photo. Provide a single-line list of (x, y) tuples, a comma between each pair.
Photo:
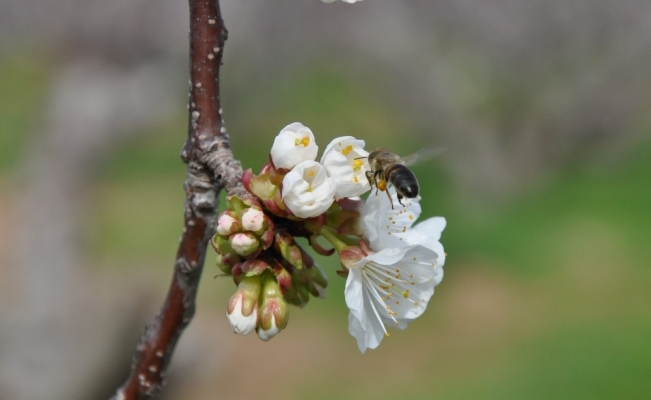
[(422, 155)]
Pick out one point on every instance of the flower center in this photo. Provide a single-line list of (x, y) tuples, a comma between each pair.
[(305, 141), (309, 177), (357, 164), (347, 149)]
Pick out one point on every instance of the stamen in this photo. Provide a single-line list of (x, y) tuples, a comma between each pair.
[(305, 141)]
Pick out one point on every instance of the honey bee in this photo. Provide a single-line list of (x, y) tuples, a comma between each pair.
[(389, 167)]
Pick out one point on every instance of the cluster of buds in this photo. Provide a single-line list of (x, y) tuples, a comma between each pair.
[(266, 264), (384, 260)]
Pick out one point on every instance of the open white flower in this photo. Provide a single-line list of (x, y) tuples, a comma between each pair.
[(388, 288), (428, 233), (307, 190), (386, 227), (294, 144), (342, 161)]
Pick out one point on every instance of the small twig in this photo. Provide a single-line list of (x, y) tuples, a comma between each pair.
[(211, 167)]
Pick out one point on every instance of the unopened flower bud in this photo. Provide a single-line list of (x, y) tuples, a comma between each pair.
[(286, 246), (242, 308), (318, 281), (274, 310), (221, 245), (226, 262), (255, 266), (244, 243), (227, 224), (253, 220), (283, 277), (298, 295)]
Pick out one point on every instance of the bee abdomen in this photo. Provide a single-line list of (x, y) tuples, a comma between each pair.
[(403, 179)]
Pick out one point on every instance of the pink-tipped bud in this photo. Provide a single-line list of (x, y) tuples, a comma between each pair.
[(253, 220), (274, 311), (227, 224), (242, 308), (244, 243)]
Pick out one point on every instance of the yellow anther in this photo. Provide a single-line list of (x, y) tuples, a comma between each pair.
[(357, 165), (347, 149), (311, 173), (405, 294), (305, 141)]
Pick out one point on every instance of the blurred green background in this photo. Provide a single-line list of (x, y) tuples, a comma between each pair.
[(546, 289)]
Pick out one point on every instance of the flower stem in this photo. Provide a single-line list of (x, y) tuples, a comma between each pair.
[(331, 236)]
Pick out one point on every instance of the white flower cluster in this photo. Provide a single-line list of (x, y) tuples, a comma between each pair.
[(310, 187), (393, 283)]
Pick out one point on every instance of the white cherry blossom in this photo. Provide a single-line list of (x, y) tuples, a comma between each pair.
[(343, 160), (307, 190), (294, 144), (388, 288), (393, 285), (386, 227)]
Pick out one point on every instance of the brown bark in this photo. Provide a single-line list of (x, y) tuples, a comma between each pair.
[(211, 167)]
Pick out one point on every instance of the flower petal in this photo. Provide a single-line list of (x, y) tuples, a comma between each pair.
[(295, 143), (389, 288), (307, 190), (342, 159)]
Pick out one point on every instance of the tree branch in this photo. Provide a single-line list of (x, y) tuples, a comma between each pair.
[(211, 167)]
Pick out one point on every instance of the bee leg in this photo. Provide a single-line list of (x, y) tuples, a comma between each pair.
[(371, 180), (390, 199), (400, 200)]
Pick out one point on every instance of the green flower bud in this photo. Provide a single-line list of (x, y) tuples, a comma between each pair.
[(244, 244), (242, 308), (274, 310)]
